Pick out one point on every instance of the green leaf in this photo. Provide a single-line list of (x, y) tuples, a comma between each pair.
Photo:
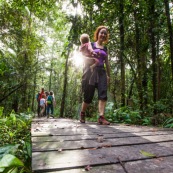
[(27, 10), (9, 160), (11, 170), (1, 111), (2, 169), (147, 154), (28, 147), (10, 148)]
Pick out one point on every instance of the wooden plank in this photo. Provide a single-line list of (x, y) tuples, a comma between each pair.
[(158, 165), (69, 123), (98, 142), (86, 130), (56, 160), (93, 136), (65, 145), (113, 168)]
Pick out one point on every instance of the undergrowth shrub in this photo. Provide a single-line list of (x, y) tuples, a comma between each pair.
[(15, 150)]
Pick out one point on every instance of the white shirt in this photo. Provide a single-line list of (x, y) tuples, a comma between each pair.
[(42, 101)]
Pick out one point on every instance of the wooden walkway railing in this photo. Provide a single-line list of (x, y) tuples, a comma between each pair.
[(66, 146)]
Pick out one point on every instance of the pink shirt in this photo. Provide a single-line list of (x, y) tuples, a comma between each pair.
[(86, 49)]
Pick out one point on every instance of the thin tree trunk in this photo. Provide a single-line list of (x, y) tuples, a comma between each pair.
[(35, 84), (139, 62), (170, 32), (11, 92), (65, 84), (50, 77), (153, 50), (121, 28)]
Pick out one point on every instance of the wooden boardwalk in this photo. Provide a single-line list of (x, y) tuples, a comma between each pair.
[(66, 146)]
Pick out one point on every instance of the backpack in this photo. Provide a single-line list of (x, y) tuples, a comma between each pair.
[(49, 100), (37, 97)]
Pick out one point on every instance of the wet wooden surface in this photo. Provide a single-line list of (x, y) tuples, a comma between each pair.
[(66, 146)]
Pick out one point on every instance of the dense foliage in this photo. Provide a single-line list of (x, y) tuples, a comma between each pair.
[(15, 144), (39, 49)]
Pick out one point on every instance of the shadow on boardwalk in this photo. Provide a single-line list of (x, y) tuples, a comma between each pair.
[(66, 146)]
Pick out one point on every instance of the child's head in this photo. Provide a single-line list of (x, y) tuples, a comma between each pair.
[(51, 93), (47, 93), (84, 38)]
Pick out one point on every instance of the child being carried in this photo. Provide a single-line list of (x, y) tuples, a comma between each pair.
[(87, 50)]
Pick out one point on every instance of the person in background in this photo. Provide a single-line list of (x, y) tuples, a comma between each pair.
[(46, 94), (87, 50), (99, 78), (42, 105), (38, 97), (50, 104)]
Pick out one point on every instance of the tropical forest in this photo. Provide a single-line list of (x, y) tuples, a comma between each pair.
[(39, 48)]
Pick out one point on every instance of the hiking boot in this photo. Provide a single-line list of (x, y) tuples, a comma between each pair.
[(103, 121), (82, 117), (52, 116)]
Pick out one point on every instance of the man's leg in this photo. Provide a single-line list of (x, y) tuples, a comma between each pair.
[(47, 111), (52, 110)]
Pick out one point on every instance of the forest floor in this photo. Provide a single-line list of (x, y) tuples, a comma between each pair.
[(66, 146)]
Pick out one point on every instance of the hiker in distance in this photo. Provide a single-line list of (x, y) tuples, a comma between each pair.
[(98, 78), (38, 97), (50, 102)]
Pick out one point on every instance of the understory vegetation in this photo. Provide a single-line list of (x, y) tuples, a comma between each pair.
[(39, 47), (15, 143)]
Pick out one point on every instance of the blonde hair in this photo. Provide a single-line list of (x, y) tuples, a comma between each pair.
[(84, 38)]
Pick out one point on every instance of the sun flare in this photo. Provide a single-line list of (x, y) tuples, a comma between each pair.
[(77, 59)]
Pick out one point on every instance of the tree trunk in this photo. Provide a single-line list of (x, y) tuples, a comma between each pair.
[(170, 32), (65, 84), (50, 77), (139, 61), (153, 50), (121, 28)]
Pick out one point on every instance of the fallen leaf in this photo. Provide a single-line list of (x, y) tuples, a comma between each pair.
[(99, 147), (42, 164), (87, 168), (92, 148), (100, 134), (107, 145), (100, 139), (160, 159), (144, 153), (60, 149)]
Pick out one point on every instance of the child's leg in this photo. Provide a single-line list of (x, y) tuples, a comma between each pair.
[(96, 61), (42, 109), (92, 67)]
